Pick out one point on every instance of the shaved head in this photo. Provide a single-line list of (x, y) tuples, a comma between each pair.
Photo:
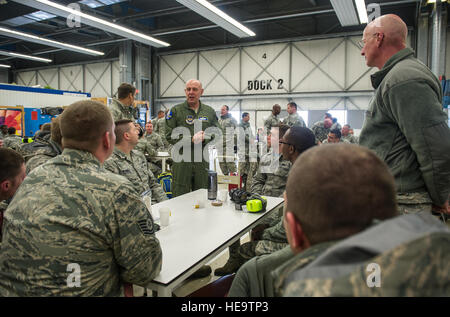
[(194, 82), (193, 92), (337, 190), (392, 26), (383, 38)]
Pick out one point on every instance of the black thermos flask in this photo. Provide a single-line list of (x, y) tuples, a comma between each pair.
[(212, 185)]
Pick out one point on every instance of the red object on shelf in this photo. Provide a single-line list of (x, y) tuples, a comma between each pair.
[(231, 186)]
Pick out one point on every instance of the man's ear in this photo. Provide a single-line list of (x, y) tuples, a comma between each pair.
[(298, 239), (5, 185), (291, 149), (106, 141), (126, 136), (381, 35)]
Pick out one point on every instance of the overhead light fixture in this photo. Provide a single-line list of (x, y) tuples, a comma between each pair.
[(42, 40), (5, 66), (345, 11), (210, 12), (63, 11), (362, 11), (434, 1), (33, 58)]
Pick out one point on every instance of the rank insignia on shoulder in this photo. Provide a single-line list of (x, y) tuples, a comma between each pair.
[(146, 226), (189, 119)]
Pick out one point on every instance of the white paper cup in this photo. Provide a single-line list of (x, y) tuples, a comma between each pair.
[(199, 202), (164, 216)]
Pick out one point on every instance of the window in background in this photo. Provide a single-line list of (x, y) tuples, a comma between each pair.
[(340, 115), (304, 115), (236, 115)]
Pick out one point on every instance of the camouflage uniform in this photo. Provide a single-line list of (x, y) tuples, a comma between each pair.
[(294, 119), (28, 150), (149, 145), (350, 138), (336, 126), (273, 238), (160, 128), (42, 155), (134, 168), (397, 246), (411, 203), (225, 122), (270, 179), (13, 142), (73, 211), (254, 278), (342, 140), (247, 169), (270, 122), (119, 111), (155, 140), (258, 276), (3, 206), (297, 262), (42, 135), (320, 132)]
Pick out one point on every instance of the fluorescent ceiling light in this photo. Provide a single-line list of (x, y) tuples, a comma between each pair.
[(345, 11), (99, 3), (434, 1), (210, 12), (5, 66), (40, 16), (92, 3), (33, 58), (63, 11), (362, 11), (42, 40)]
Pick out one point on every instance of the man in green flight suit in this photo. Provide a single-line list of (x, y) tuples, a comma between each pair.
[(190, 172)]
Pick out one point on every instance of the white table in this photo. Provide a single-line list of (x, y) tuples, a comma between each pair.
[(163, 156), (196, 236)]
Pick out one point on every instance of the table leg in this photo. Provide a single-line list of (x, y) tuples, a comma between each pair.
[(164, 292)]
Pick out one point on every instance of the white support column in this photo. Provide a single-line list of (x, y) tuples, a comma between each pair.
[(422, 38), (126, 62), (439, 39)]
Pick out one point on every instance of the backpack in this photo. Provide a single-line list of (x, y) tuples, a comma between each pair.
[(165, 180)]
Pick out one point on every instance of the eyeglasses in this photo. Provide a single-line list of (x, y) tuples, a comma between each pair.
[(362, 42), (282, 142)]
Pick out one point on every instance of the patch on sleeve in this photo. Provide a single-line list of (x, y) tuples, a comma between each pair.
[(146, 226), (169, 115)]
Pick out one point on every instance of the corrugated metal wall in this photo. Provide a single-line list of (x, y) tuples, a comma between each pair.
[(318, 74), (98, 79)]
